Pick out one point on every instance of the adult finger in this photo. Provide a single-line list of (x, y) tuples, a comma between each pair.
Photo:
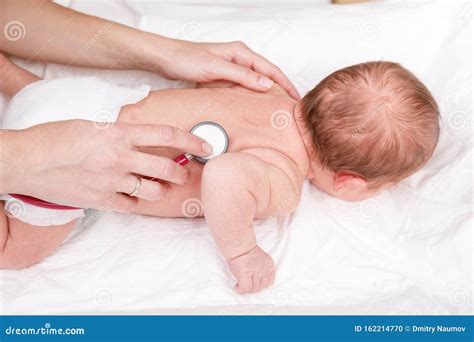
[(247, 57), (224, 70), (148, 190), (167, 136), (244, 285), (160, 168)]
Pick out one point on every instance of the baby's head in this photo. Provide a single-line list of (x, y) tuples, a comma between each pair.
[(370, 125)]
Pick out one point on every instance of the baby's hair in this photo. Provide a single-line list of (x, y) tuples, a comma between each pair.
[(374, 119)]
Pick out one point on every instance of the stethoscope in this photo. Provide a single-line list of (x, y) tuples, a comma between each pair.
[(210, 131)]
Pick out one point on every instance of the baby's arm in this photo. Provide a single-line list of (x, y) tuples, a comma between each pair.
[(236, 188), (23, 245)]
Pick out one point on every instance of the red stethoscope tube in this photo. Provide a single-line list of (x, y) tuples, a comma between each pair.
[(41, 203), (182, 160)]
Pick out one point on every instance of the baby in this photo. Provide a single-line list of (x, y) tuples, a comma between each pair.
[(360, 130)]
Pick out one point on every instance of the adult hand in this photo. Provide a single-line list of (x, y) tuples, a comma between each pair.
[(89, 166), (122, 47), (235, 62)]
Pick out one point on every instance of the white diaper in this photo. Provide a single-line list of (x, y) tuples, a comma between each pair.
[(86, 98)]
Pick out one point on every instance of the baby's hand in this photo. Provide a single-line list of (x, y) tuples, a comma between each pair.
[(254, 271)]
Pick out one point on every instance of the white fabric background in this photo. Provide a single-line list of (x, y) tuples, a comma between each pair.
[(407, 251)]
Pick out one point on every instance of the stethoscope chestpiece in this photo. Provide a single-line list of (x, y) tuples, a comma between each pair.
[(215, 135)]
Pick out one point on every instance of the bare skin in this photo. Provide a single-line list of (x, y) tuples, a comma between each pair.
[(270, 155), (260, 176), (41, 30), (250, 131)]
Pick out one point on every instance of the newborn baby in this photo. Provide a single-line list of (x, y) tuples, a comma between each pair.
[(360, 130)]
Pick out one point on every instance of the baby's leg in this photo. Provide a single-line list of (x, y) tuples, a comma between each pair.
[(14, 78), (23, 245)]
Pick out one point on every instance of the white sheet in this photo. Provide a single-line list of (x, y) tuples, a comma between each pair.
[(407, 251)]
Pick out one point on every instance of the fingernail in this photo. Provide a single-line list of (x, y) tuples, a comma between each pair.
[(206, 147), (265, 82)]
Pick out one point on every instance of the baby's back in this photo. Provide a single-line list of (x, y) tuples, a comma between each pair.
[(252, 121)]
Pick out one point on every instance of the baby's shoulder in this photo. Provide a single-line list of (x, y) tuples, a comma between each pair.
[(285, 178), (277, 159)]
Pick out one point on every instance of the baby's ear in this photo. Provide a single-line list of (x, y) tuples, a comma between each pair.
[(347, 181)]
